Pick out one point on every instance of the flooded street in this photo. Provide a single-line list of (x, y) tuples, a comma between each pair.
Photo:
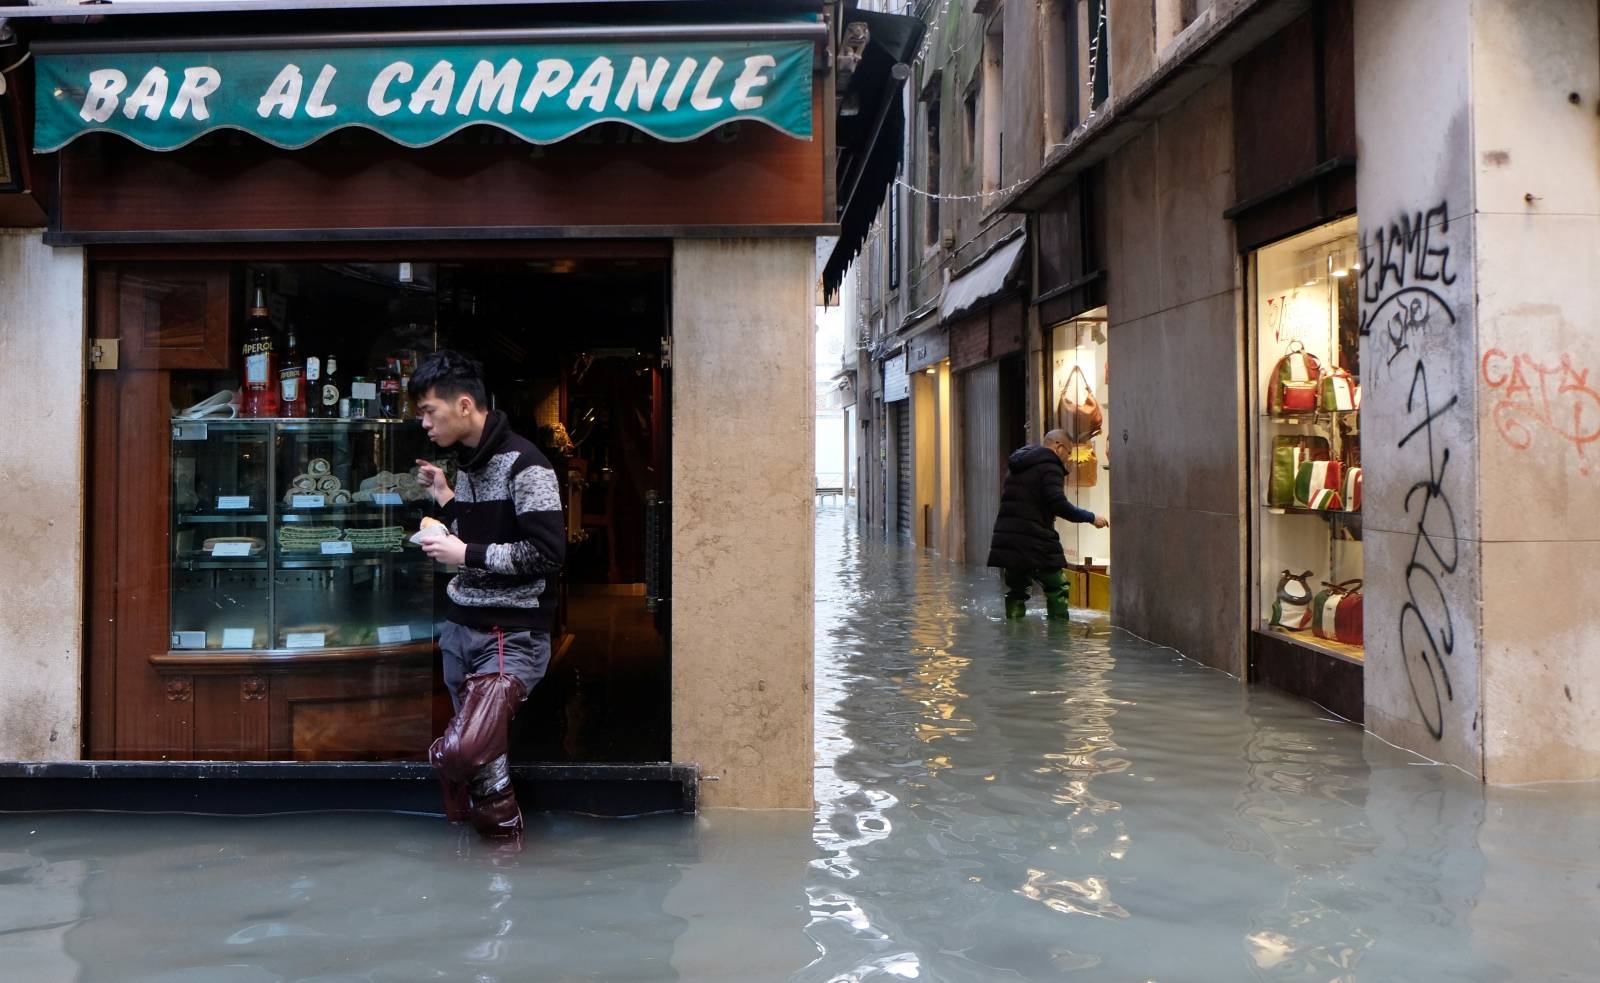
[(996, 801)]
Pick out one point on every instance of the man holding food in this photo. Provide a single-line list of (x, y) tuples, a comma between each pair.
[(502, 526)]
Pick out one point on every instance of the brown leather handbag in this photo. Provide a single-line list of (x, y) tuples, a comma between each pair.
[(1077, 411)]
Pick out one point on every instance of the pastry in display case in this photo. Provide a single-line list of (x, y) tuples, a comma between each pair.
[(292, 535)]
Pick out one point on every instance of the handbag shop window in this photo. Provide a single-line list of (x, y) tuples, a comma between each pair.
[(1309, 438), (1079, 379)]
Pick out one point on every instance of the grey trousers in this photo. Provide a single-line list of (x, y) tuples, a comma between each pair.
[(468, 652)]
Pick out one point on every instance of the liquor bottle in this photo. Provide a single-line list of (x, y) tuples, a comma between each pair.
[(313, 386), (389, 391), (330, 388), (291, 379), (358, 403), (260, 396)]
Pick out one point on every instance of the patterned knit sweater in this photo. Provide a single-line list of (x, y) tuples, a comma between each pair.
[(507, 509)]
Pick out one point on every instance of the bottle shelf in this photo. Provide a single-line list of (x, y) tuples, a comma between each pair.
[(297, 424)]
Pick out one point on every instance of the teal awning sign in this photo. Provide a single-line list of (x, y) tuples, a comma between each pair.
[(417, 95)]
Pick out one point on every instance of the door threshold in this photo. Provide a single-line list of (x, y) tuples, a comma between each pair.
[(264, 788)]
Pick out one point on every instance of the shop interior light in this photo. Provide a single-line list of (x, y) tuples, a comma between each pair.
[(932, 371)]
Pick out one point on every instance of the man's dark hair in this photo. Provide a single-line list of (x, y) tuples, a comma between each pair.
[(450, 374)]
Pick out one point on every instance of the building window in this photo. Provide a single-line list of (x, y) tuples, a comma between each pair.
[(930, 181), (993, 111), (969, 127), (1062, 79), (1308, 534), (894, 232), (1099, 75), (1190, 10)]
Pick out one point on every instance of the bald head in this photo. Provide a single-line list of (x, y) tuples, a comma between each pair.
[(1057, 438)]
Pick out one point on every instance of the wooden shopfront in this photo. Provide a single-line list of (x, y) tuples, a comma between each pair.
[(234, 613)]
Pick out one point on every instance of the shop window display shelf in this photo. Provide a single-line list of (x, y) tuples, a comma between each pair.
[(353, 594), (1341, 650), (1302, 510)]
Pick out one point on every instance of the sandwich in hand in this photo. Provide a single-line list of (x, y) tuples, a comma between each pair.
[(431, 529)]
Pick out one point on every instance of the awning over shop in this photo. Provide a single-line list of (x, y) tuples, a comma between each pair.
[(417, 90), (871, 125), (989, 277)]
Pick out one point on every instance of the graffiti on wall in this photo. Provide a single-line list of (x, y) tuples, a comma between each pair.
[(1403, 266), (1540, 400), (1427, 628)]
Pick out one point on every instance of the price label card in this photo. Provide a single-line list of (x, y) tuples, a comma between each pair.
[(364, 390), (394, 634), (232, 502), (387, 498), (339, 548), (309, 501), (230, 549), (188, 639), (238, 638), (304, 640)]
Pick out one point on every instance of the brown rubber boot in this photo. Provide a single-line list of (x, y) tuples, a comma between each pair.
[(456, 803), (477, 734), (496, 815)]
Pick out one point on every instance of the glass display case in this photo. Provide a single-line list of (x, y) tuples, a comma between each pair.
[(1307, 395), (292, 535)]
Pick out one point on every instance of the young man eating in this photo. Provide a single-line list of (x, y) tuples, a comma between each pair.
[(508, 539)]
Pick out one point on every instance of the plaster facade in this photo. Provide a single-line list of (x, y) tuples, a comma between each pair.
[(742, 518), (42, 375)]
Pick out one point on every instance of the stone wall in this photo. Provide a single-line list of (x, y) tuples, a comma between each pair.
[(1177, 452), (1538, 408), (742, 522), (42, 384)]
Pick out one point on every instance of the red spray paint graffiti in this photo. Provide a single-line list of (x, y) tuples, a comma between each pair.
[(1535, 396)]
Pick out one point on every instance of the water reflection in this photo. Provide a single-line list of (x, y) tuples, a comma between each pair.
[(995, 801)]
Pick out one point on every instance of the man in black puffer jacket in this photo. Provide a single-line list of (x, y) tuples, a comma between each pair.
[(1025, 545)]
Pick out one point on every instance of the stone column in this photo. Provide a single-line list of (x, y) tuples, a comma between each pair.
[(1480, 229), (743, 404), (42, 364)]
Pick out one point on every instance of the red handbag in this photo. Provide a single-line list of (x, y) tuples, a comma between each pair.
[(1296, 383), (1336, 613)]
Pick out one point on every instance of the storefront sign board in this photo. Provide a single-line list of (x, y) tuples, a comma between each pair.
[(896, 383), (417, 95), (927, 349)]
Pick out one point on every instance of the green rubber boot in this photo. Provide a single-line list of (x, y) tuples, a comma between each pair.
[(1016, 609), (1055, 594)]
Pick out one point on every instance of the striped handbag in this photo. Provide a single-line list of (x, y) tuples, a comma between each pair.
[(1291, 609), (1340, 393), (1336, 613), (1319, 485), (1352, 489), (1296, 383)]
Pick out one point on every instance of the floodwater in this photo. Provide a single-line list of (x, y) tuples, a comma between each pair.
[(996, 801)]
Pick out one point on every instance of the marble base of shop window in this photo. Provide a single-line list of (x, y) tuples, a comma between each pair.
[(1326, 673)]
